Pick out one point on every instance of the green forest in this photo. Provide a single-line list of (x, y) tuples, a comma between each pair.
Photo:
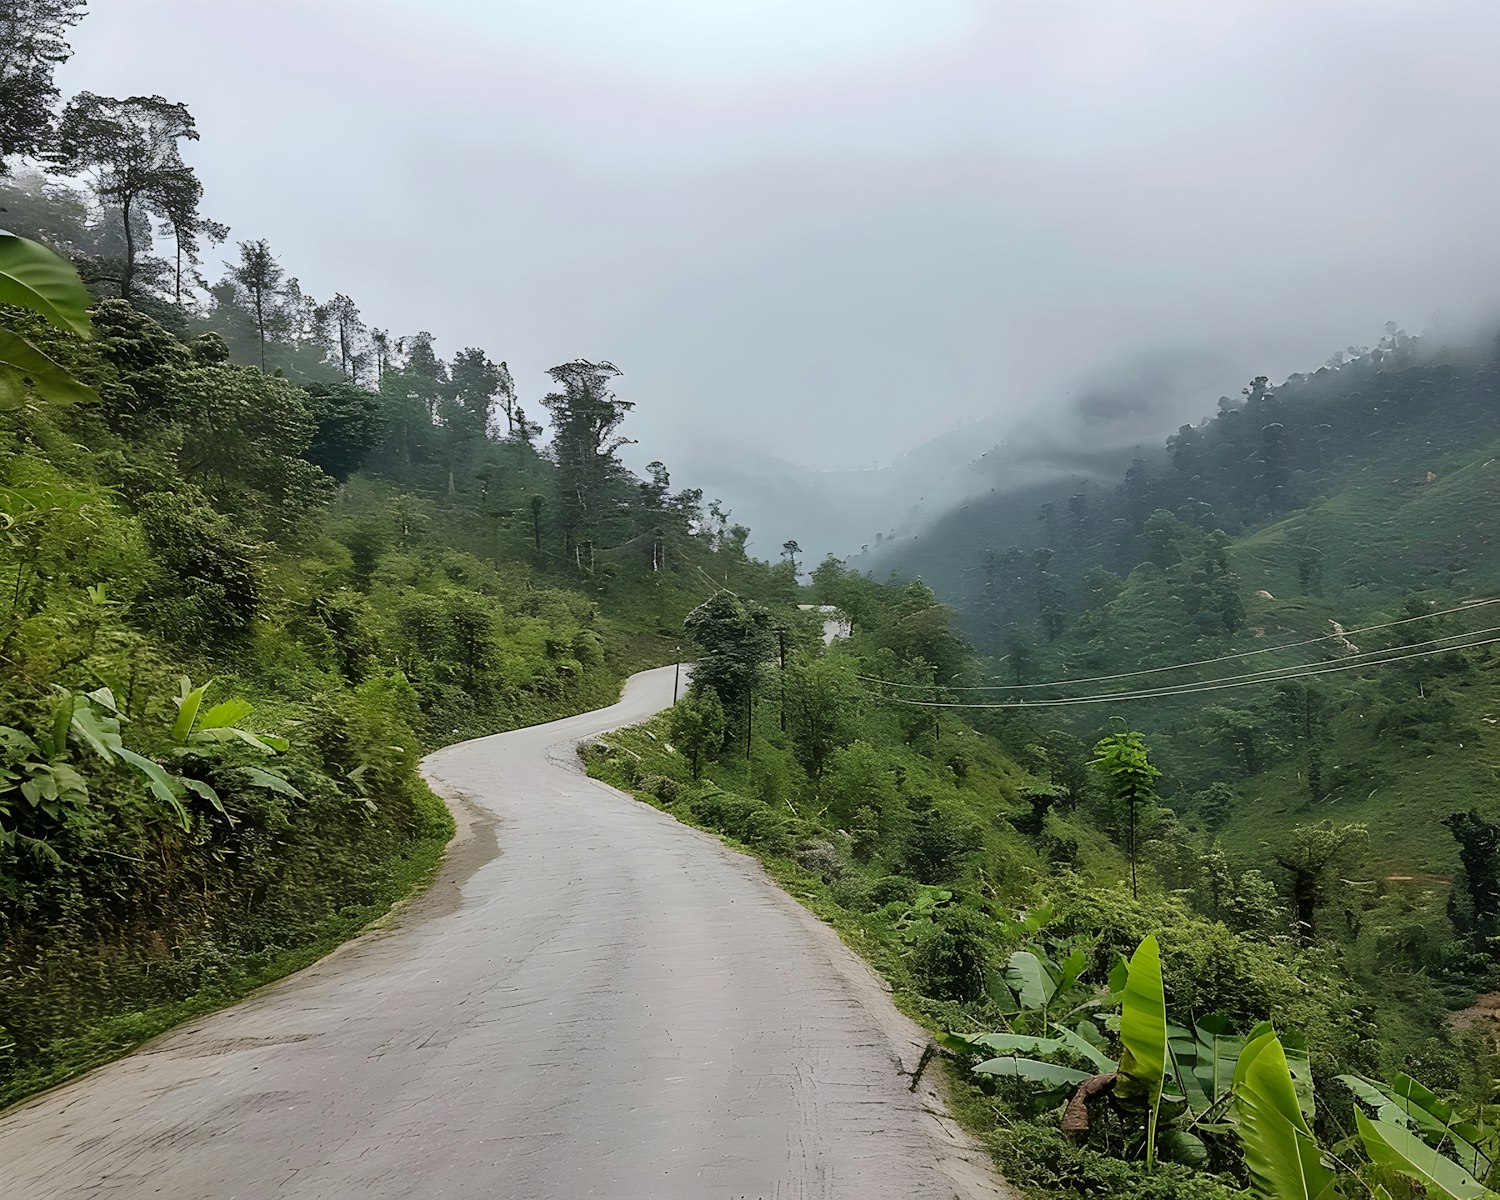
[(1184, 917), (257, 559)]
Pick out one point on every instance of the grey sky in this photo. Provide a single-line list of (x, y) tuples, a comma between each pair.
[(831, 229)]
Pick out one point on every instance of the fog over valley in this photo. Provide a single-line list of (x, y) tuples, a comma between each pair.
[(828, 234)]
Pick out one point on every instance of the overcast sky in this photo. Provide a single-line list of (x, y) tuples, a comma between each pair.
[(831, 229)]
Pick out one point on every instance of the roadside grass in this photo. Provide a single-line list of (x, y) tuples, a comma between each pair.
[(1030, 1157)]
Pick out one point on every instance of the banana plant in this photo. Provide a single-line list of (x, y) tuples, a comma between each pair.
[(1143, 1033), (34, 278), (1177, 1077), (1418, 1134), (199, 731), (1049, 1006), (196, 726), (1281, 1155), (95, 718)]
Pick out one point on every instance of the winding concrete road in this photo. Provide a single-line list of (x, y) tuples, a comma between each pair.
[(592, 1000)]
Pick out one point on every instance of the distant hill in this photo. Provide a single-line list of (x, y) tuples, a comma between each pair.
[(1363, 493)]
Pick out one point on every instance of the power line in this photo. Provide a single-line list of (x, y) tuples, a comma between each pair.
[(1268, 675), (1188, 689), (1203, 662)]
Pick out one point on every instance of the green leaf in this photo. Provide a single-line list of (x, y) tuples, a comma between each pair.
[(1118, 974), (72, 784), (1399, 1149), (102, 740), (1371, 1093), (1283, 1159), (958, 1043), (1180, 1146), (206, 791), (161, 784), (187, 711), (1080, 1045), (31, 276), (1030, 980), (271, 781), (1143, 1032), (1033, 1070), (1070, 969), (20, 360), (1016, 1043), (226, 714), (104, 697), (62, 721), (264, 742), (1437, 1121)]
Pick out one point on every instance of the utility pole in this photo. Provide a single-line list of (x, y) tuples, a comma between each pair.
[(676, 674), (749, 721)]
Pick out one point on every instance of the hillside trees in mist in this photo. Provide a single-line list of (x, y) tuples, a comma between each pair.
[(130, 149), (33, 44)]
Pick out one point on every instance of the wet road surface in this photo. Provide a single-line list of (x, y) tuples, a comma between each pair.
[(592, 1000)]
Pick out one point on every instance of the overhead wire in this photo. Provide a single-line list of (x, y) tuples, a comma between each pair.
[(1267, 675), (1337, 635), (1190, 689)]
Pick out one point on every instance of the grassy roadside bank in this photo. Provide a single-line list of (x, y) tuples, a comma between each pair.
[(1032, 1159), (97, 1042), (203, 978)]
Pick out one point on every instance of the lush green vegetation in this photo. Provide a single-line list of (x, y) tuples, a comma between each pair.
[(359, 550), (999, 870), (1326, 548)]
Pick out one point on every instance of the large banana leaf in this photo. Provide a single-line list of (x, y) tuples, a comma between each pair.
[(188, 705), (161, 784), (20, 361), (1370, 1092), (272, 782), (1203, 1062), (1143, 1032), (1048, 1074), (1283, 1159), (1015, 1043), (1031, 981), (1080, 1045), (31, 276), (1406, 1101), (1399, 1149)]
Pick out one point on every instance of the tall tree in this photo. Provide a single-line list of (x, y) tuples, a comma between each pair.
[(1123, 761), (821, 701), (130, 150), (380, 340), (698, 727), (33, 44), (476, 383), (1479, 851), (258, 275), (346, 331), (585, 415), (506, 394), (180, 195), (734, 644), (1308, 860)]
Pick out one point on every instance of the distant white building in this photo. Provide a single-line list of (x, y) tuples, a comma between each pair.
[(835, 624)]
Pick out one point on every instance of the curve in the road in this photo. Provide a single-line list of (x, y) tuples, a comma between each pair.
[(601, 1002)]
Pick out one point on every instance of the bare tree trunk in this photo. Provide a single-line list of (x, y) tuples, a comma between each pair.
[(127, 279)]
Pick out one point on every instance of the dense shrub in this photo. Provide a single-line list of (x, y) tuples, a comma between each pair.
[(952, 954)]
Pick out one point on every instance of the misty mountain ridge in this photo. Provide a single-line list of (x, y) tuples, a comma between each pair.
[(1089, 436)]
